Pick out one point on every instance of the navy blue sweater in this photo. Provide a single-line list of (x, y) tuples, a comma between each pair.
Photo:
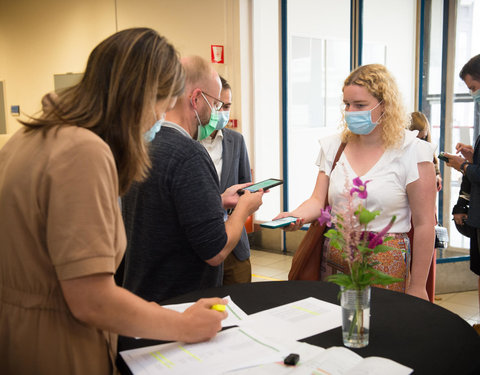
[(174, 221)]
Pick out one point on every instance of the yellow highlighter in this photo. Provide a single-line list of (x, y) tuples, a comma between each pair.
[(218, 307)]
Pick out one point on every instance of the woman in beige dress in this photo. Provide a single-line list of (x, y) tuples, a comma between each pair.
[(61, 230)]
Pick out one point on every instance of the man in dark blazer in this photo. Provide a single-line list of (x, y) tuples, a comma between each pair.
[(229, 154), (469, 165)]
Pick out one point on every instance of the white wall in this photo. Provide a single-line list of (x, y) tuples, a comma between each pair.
[(394, 28), (45, 38), (56, 36)]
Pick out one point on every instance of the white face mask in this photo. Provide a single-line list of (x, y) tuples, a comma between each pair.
[(150, 134)]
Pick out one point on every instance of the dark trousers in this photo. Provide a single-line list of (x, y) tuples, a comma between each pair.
[(236, 271)]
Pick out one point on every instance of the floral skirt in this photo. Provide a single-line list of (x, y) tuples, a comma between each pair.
[(395, 262)]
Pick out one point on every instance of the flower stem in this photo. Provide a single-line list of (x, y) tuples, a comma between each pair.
[(353, 324), (357, 320)]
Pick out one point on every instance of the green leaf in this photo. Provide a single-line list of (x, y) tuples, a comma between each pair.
[(336, 244), (341, 279), (365, 279), (382, 249), (381, 278), (364, 249), (365, 216), (331, 233)]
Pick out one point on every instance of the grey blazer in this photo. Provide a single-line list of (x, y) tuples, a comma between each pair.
[(235, 170)]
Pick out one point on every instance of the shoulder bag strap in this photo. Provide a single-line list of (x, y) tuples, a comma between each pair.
[(337, 156)]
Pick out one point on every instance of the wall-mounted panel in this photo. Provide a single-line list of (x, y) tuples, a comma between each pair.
[(62, 81)]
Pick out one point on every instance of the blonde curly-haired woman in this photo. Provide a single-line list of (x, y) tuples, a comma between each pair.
[(401, 173)]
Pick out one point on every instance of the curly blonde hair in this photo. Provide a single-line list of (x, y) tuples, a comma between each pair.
[(380, 84)]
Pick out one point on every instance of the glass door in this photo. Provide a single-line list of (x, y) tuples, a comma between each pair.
[(318, 61), (465, 116)]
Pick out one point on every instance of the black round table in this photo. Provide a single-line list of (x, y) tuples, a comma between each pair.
[(406, 329)]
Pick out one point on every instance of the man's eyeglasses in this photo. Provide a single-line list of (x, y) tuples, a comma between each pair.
[(217, 103)]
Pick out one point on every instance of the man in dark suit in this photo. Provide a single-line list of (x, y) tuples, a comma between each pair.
[(469, 165), (229, 154)]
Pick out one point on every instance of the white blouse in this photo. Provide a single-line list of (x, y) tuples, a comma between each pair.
[(387, 190)]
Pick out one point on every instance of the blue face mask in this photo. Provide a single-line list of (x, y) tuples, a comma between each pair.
[(149, 135), (223, 117), (360, 122), (475, 95)]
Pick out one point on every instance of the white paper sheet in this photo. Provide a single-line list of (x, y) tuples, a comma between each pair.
[(332, 361), (260, 345), (235, 313), (342, 361), (296, 320), (306, 352), (379, 366), (231, 349)]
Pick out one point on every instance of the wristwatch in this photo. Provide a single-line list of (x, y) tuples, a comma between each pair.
[(463, 165)]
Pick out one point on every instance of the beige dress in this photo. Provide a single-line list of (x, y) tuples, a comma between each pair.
[(59, 219)]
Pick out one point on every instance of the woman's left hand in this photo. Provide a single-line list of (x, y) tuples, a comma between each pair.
[(439, 182), (292, 226)]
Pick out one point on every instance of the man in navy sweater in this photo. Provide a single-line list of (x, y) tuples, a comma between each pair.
[(177, 236)]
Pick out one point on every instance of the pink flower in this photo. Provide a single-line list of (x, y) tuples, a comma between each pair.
[(361, 188), (378, 238), (367, 236), (326, 217)]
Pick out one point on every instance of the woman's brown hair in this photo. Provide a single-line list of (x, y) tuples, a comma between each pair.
[(125, 75), (420, 122)]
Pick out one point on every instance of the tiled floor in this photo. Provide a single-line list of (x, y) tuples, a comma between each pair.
[(271, 266)]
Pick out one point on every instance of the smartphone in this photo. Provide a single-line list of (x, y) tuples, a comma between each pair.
[(265, 185), (283, 222), (442, 156)]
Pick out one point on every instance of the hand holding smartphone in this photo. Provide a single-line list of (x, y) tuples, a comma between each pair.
[(279, 223), (265, 185)]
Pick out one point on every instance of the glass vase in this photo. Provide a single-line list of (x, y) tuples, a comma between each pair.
[(355, 316)]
